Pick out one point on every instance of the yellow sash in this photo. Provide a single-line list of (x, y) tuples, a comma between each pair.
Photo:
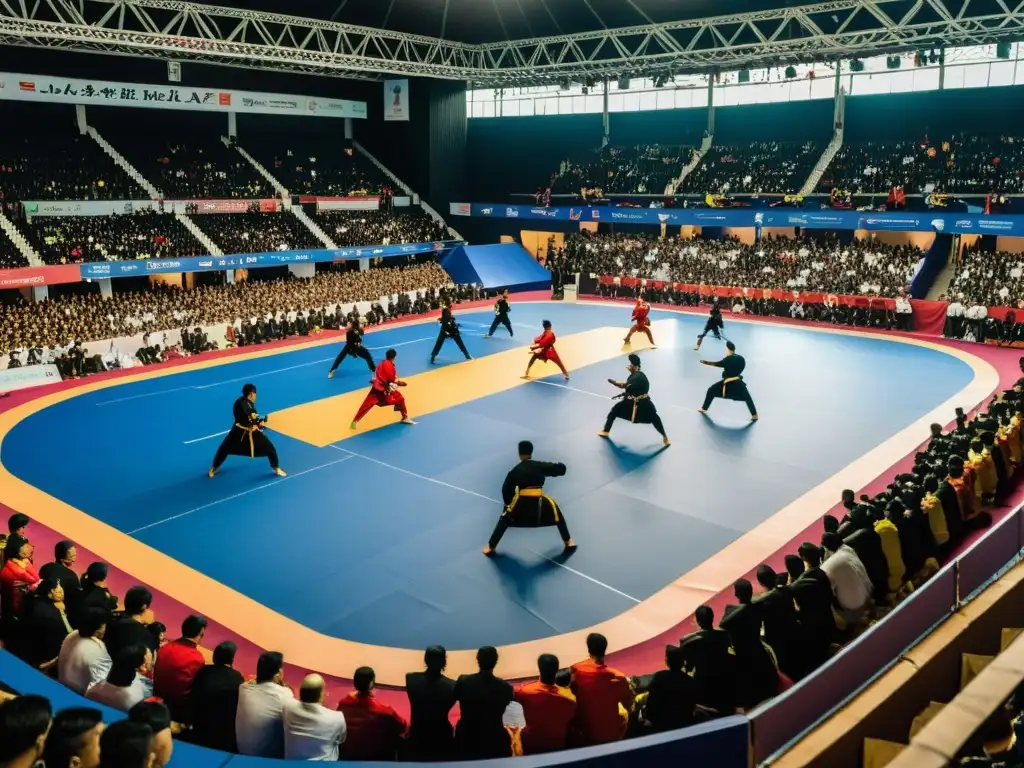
[(531, 493), (252, 445), (726, 382)]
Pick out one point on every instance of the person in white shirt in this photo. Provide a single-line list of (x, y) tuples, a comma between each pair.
[(259, 719), (311, 730), (904, 312), (83, 659), (954, 318), (849, 578), (128, 681)]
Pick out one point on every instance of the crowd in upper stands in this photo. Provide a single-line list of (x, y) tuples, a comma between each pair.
[(196, 170), (644, 170), (257, 232), (861, 267), (763, 166), (348, 228), (66, 623), (316, 166), (59, 330)]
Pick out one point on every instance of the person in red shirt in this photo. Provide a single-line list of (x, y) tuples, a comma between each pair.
[(544, 349), (177, 664), (384, 391), (18, 568), (641, 321), (548, 709), (604, 696), (374, 729)]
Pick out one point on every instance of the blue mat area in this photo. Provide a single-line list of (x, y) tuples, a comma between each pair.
[(389, 538), (505, 265)]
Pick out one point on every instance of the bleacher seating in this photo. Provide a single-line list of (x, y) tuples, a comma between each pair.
[(10, 256), (348, 228), (142, 235), (257, 232), (764, 166), (640, 170), (315, 166)]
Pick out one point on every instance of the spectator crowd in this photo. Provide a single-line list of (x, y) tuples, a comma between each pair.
[(642, 170), (871, 556), (348, 228), (762, 166), (257, 232), (316, 166)]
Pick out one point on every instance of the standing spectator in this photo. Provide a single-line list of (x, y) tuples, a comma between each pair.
[(213, 700), (24, 723), (176, 666), (128, 681), (64, 557), (158, 718), (127, 745), (904, 312), (259, 721), (131, 628), (549, 710), (374, 729), (604, 696), (83, 660), (483, 698), (311, 730), (431, 697), (74, 739), (44, 625)]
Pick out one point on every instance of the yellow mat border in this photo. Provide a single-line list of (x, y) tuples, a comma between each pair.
[(309, 649)]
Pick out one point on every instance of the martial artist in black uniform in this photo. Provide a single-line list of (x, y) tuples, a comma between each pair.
[(246, 437), (635, 405), (526, 505), (449, 330), (501, 310), (713, 325), (353, 348), (732, 386)]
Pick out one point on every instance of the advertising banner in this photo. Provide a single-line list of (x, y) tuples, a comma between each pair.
[(68, 90), (897, 221), (352, 203), (460, 209), (105, 269), (12, 379), (35, 208), (27, 277), (396, 100), (222, 206)]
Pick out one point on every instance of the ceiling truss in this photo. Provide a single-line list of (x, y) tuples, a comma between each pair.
[(834, 29)]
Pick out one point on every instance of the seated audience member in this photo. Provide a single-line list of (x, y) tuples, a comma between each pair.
[(483, 697), (158, 630), (132, 628), (94, 591), (259, 719), (431, 697), (782, 629), (604, 696), (549, 710), (83, 660), (213, 700), (24, 723), (708, 656), (74, 739), (158, 718), (127, 745), (374, 729), (128, 682), (670, 696), (64, 557), (311, 730), (176, 666), (848, 578), (16, 526), (756, 674), (44, 625), (812, 591)]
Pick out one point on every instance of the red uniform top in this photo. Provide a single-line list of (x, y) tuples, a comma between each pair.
[(385, 376), (13, 573), (549, 711), (603, 701), (176, 666), (374, 729), (546, 344), (640, 313)]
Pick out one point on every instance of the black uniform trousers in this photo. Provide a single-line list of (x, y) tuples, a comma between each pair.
[(530, 509), (500, 320), (730, 389), (246, 441), (456, 337), (349, 350)]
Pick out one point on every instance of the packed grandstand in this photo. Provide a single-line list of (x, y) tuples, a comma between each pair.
[(79, 194)]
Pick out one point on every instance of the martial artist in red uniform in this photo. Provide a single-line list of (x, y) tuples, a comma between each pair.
[(544, 349), (641, 321), (384, 391)]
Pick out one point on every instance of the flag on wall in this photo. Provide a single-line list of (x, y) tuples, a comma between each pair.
[(396, 99)]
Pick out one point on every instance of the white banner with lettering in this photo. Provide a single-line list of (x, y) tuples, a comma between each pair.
[(68, 90), (396, 99), (12, 379)]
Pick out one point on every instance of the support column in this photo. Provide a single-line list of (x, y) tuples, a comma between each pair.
[(942, 72), (229, 276), (305, 270), (83, 124), (364, 265), (40, 293), (348, 129), (606, 121), (711, 105), (106, 289), (233, 125)]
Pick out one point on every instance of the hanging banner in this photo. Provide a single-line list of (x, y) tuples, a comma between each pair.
[(68, 90), (34, 208), (27, 277), (396, 100)]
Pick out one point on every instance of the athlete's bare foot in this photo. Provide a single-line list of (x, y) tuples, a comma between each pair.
[(354, 425), (665, 441), (754, 417), (566, 377), (407, 420), (330, 374), (702, 411), (604, 434), (697, 348), (525, 377), (570, 546), (280, 472), (212, 472), (488, 552)]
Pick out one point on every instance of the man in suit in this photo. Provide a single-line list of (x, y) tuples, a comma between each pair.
[(756, 675), (707, 654), (482, 699), (781, 625), (431, 697), (812, 592), (213, 700)]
